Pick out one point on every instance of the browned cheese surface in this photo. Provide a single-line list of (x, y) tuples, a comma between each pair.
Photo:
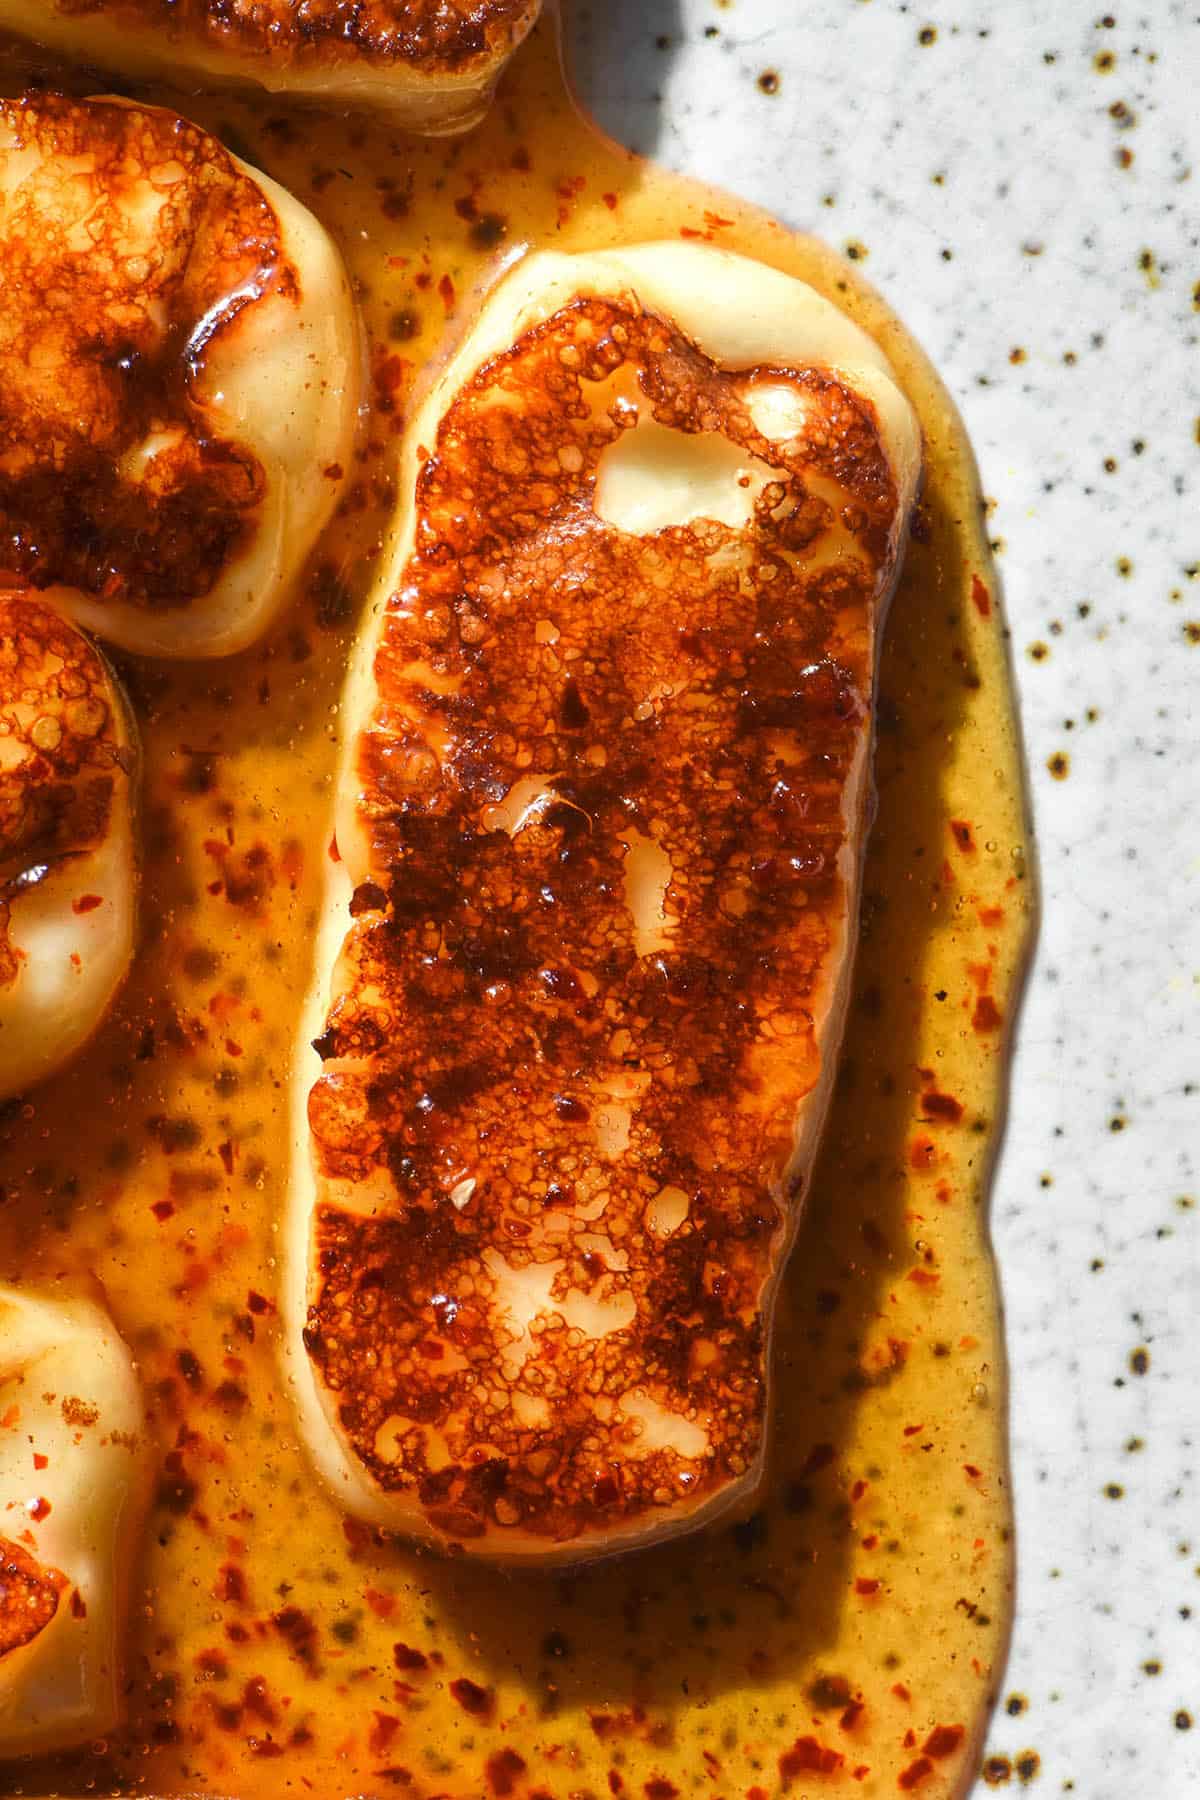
[(128, 251), (433, 36), (59, 750), (29, 1596), (704, 690)]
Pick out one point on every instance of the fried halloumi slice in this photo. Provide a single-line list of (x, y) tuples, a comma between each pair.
[(68, 872), (430, 64), (585, 953), (74, 1468), (179, 376)]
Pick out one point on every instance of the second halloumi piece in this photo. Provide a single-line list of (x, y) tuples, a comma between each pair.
[(74, 1478), (179, 376), (430, 65), (586, 948)]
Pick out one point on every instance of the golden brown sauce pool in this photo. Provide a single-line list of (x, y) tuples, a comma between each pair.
[(849, 1635)]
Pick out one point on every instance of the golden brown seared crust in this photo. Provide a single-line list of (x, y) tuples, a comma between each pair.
[(60, 750), (107, 269), (492, 1014), (433, 36), (29, 1596)]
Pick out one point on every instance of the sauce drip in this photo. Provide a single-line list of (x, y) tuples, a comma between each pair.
[(849, 1634)]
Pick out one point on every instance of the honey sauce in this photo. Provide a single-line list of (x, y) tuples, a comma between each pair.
[(848, 1635)]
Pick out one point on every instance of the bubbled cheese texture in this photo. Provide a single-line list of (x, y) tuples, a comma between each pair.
[(73, 1483)]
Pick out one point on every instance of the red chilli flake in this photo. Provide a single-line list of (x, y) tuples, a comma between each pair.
[(406, 1658), (943, 1740), (916, 1774), (987, 1015), (922, 1153), (659, 1789), (256, 1699), (866, 1584), (476, 1700), (942, 1106), (39, 1509), (964, 837), (230, 1585), (808, 1757), (383, 1730), (502, 1770), (981, 597), (87, 903)]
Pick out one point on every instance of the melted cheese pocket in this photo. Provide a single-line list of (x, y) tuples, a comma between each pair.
[(431, 64), (585, 954), (68, 874), (74, 1470), (179, 376)]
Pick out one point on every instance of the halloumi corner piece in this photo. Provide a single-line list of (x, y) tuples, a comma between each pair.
[(180, 376), (430, 65), (68, 865), (587, 939), (74, 1475)]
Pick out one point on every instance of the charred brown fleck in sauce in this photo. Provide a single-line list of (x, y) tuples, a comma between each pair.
[(143, 242), (29, 1596), (434, 36), (59, 750), (556, 1101)]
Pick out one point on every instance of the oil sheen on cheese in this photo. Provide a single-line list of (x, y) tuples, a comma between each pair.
[(847, 1635)]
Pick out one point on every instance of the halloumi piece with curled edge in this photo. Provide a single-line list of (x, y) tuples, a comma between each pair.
[(585, 954), (430, 64), (68, 873), (74, 1472), (179, 376)]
